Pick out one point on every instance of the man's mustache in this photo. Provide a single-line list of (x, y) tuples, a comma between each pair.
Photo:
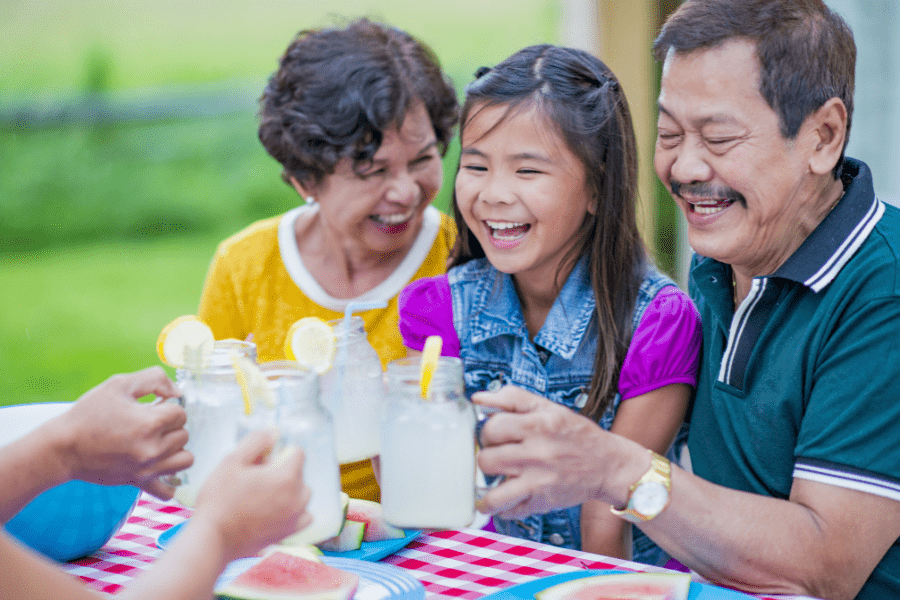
[(705, 190)]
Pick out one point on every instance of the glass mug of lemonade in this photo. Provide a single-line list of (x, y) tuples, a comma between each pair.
[(301, 421), (214, 404), (427, 448), (352, 390)]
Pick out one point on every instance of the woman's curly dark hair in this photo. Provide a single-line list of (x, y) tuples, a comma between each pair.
[(337, 90)]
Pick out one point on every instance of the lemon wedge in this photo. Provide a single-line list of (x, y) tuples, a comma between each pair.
[(254, 385), (311, 342), (185, 342), (430, 355)]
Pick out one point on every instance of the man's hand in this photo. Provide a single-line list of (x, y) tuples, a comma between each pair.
[(543, 450), (112, 439)]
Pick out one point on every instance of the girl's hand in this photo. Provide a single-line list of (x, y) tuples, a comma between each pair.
[(548, 454), (254, 499)]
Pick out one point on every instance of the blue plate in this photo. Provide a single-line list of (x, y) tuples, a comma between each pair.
[(372, 551), (377, 581), (369, 551), (526, 591)]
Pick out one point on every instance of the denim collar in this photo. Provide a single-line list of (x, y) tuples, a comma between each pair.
[(497, 311)]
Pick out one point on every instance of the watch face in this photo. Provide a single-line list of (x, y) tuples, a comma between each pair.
[(650, 498)]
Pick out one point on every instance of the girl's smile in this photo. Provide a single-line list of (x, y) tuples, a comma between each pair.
[(506, 235), (522, 192)]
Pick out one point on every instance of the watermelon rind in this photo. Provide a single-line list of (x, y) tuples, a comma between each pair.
[(370, 513), (308, 552), (341, 585), (312, 535), (350, 538), (670, 586)]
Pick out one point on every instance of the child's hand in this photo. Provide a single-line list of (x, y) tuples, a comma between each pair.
[(255, 499)]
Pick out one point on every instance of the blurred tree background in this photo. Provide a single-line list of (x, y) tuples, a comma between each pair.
[(128, 149)]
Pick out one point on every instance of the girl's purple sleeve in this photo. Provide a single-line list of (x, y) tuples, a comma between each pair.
[(665, 348), (426, 308)]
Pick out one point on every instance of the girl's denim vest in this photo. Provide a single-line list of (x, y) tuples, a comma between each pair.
[(496, 350)]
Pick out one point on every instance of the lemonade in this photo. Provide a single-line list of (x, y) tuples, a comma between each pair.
[(352, 390), (214, 404), (213, 428), (427, 449), (303, 422), (322, 475)]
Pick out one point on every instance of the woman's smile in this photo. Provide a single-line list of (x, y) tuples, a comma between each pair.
[(393, 222)]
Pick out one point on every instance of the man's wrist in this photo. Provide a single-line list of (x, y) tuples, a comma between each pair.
[(628, 462), (649, 495)]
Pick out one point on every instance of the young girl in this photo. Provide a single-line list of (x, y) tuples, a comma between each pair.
[(552, 290)]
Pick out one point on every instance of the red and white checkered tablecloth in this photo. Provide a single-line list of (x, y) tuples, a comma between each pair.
[(465, 564), (131, 550)]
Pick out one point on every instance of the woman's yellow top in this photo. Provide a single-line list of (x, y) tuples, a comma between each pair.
[(257, 284)]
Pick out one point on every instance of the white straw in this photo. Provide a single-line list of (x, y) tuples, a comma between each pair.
[(342, 353)]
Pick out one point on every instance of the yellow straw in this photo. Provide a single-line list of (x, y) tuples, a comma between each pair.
[(430, 355)]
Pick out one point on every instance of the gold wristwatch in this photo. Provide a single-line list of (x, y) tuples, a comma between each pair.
[(649, 495)]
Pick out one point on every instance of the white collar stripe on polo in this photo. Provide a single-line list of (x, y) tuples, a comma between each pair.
[(739, 326), (846, 251)]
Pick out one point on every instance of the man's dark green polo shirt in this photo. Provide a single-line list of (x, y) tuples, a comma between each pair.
[(803, 379)]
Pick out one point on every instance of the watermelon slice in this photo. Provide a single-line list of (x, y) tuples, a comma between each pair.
[(633, 586), (282, 575), (368, 512), (350, 538), (312, 534)]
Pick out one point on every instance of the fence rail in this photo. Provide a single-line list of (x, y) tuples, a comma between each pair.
[(149, 104)]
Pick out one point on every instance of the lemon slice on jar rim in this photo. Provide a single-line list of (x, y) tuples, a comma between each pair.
[(254, 385), (430, 355), (312, 343), (186, 342)]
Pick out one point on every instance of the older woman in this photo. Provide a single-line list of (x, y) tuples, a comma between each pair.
[(359, 117)]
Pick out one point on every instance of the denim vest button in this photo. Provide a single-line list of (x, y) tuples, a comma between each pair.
[(494, 385), (556, 539), (581, 400)]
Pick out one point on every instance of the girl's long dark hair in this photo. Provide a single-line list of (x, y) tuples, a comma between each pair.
[(582, 98)]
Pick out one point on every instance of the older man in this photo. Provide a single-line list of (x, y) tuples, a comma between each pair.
[(795, 432)]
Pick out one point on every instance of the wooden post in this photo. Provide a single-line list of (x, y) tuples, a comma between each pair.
[(627, 29), (621, 33)]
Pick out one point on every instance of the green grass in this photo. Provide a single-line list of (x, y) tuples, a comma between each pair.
[(74, 316), (107, 231), (62, 44)]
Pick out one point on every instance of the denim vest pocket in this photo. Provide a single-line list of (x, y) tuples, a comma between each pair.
[(484, 378), (572, 395)]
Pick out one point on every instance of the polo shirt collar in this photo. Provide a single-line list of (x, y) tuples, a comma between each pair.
[(823, 254)]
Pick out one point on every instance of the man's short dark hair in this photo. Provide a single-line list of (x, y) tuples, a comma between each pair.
[(806, 51)]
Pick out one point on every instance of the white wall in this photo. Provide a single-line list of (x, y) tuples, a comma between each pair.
[(875, 132)]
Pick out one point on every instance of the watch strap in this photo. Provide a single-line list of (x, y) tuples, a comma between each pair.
[(660, 472)]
